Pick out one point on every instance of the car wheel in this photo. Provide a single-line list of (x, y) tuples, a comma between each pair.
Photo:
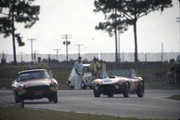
[(110, 95), (96, 93), (55, 98), (140, 90), (83, 86), (126, 90), (50, 99), (17, 99), (69, 85), (22, 103)]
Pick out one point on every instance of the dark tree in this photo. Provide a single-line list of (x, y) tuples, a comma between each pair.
[(17, 11), (129, 11)]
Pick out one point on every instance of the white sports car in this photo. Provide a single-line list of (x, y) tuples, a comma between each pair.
[(87, 80), (119, 84)]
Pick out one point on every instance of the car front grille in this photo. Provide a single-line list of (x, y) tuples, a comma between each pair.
[(38, 88), (107, 87)]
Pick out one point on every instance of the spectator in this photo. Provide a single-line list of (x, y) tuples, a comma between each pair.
[(31, 65), (94, 66), (78, 66), (102, 70), (172, 75), (41, 65)]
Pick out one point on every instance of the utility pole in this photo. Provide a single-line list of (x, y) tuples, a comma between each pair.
[(161, 52), (79, 45), (31, 39), (57, 51), (115, 32), (66, 42), (119, 46), (12, 32), (21, 53), (35, 54), (178, 20)]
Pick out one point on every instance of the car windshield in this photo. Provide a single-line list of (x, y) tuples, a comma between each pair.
[(33, 75), (124, 73), (86, 69)]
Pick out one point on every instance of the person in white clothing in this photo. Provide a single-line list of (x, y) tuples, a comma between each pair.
[(78, 66), (102, 71)]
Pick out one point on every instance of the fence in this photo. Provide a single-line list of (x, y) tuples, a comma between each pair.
[(108, 57)]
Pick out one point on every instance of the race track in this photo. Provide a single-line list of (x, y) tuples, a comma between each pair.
[(153, 105)]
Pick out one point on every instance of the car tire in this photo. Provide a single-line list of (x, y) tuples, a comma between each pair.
[(96, 93), (110, 95), (83, 86), (55, 98), (22, 103), (140, 90), (50, 99), (17, 99), (126, 90), (69, 85)]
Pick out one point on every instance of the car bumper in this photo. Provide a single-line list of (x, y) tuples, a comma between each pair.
[(108, 89), (36, 92)]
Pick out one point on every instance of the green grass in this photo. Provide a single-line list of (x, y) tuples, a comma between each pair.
[(15, 113), (8, 74), (175, 97), (61, 75)]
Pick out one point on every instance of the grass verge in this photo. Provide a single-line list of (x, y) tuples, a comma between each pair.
[(175, 97), (14, 113), (8, 74)]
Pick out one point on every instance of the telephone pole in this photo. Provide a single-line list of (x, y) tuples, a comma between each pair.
[(57, 51), (161, 52), (66, 42), (79, 45), (178, 20), (32, 39)]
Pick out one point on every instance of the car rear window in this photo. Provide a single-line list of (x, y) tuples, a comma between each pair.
[(33, 75)]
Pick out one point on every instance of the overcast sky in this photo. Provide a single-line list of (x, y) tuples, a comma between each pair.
[(76, 18)]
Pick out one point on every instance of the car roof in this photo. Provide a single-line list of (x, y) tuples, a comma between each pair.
[(33, 70), (86, 65)]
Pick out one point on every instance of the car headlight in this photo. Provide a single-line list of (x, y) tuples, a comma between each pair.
[(119, 82), (96, 88), (20, 87), (117, 86), (53, 84), (94, 84)]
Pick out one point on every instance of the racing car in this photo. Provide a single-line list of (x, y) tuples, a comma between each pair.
[(119, 83), (35, 84)]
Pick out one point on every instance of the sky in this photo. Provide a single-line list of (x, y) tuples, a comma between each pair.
[(77, 19)]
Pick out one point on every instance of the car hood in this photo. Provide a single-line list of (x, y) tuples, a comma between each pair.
[(87, 74), (36, 82), (111, 80)]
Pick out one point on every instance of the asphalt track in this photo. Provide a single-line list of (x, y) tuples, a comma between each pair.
[(155, 104)]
